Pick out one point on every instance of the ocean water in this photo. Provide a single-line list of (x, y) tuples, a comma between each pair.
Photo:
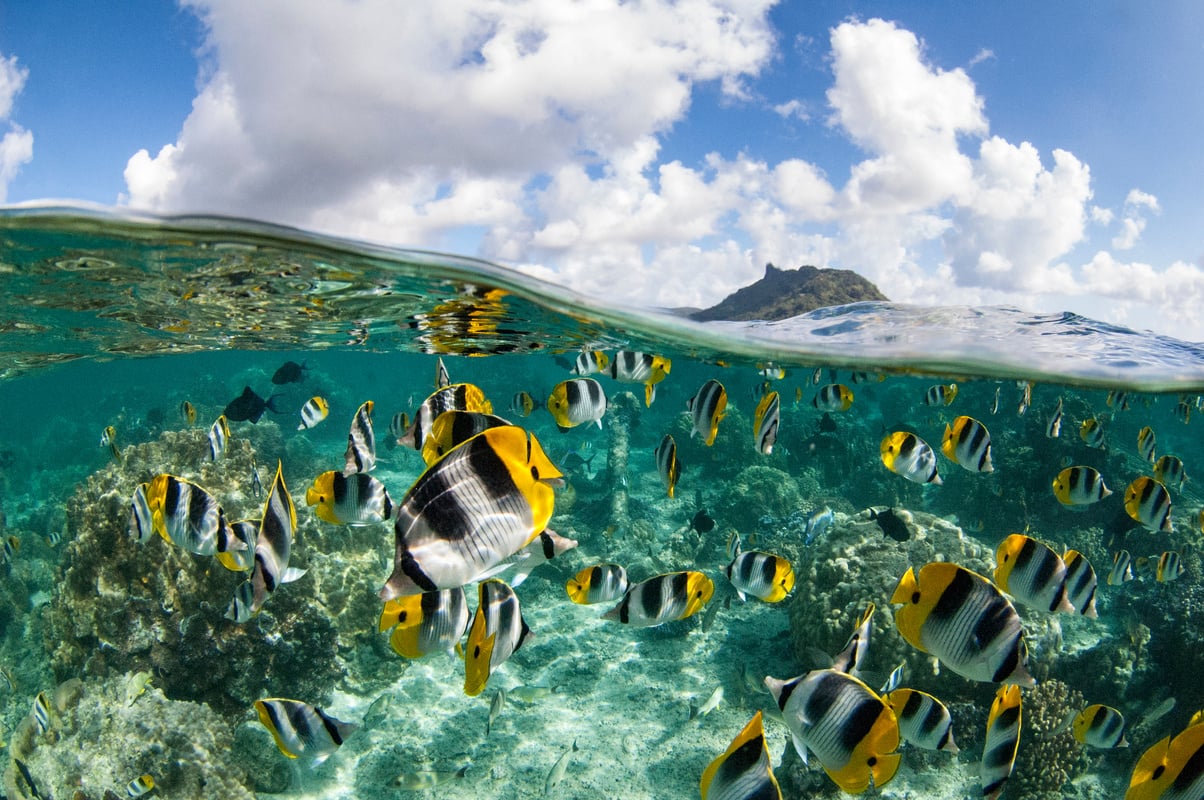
[(118, 321)]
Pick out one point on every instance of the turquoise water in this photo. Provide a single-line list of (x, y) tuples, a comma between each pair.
[(117, 321)]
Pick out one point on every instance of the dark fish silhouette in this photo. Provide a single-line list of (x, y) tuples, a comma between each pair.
[(702, 522), (289, 372), (891, 524), (249, 406), (827, 424)]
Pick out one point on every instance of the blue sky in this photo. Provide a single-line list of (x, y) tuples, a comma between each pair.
[(1038, 154)]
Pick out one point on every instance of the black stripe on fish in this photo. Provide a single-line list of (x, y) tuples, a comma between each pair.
[(545, 542), (787, 690), (331, 726), (1193, 770)]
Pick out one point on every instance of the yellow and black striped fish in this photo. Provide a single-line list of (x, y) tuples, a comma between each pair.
[(314, 411), (361, 442), (41, 714), (243, 559), (765, 423), (302, 730), (141, 524), (1081, 583), (967, 443), (664, 598), (1171, 769), (453, 428), (940, 395), (1092, 432), (744, 771), (1100, 726), (601, 583), (848, 727), (1122, 568), (590, 361), (426, 623), (357, 499), (668, 466), (188, 412), (707, 407), (908, 455), (522, 404), (1170, 567), (763, 575), (629, 366), (923, 720), (188, 516), (456, 397), (1053, 428), (139, 786), (441, 377), (498, 629), (1168, 471), (577, 400), (833, 397), (478, 505), (851, 658), (1147, 501), (219, 436), (1145, 444), (1079, 486), (273, 547), (1002, 741), (962, 619), (1032, 572)]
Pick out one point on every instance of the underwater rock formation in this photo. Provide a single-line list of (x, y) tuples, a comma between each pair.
[(120, 606), (105, 733)]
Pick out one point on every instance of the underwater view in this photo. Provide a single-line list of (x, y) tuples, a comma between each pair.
[(291, 515)]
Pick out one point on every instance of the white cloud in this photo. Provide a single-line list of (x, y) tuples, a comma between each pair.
[(519, 129), (984, 54), (16, 146)]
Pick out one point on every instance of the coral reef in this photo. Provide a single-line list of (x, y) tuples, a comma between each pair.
[(1046, 760), (104, 733), (124, 607), (855, 564)]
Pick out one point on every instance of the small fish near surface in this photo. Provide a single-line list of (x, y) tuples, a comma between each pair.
[(301, 729), (833, 397), (188, 412), (765, 423), (906, 454), (668, 465), (522, 404), (1168, 470), (967, 443), (629, 366), (1146, 443), (289, 372), (314, 411), (589, 362), (1053, 428), (361, 442), (108, 438), (1092, 432), (744, 771), (577, 401), (891, 523), (249, 407), (707, 408), (471, 510), (661, 599), (940, 395)]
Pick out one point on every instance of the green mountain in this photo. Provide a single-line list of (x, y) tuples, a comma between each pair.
[(785, 293)]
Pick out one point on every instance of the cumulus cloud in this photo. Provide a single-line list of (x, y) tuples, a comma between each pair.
[(16, 146), (518, 129)]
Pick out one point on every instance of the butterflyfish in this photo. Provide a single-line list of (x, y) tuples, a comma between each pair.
[(577, 401), (744, 771), (962, 619), (661, 599), (302, 730), (356, 499), (498, 629), (707, 407), (478, 505), (361, 442)]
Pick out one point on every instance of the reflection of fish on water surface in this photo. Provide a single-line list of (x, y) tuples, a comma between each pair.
[(824, 456)]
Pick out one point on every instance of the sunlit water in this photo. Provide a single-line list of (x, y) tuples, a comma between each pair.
[(113, 321)]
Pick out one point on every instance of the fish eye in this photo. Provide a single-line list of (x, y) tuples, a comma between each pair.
[(402, 616), (535, 472), (873, 760), (1158, 770), (915, 597), (476, 652)]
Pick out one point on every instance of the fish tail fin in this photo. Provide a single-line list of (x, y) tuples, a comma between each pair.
[(271, 403)]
